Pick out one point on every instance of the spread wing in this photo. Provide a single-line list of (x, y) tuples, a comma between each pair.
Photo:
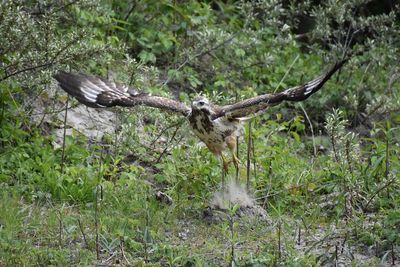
[(98, 92), (257, 105)]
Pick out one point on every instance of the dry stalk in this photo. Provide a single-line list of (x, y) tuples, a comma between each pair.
[(279, 241), (249, 150), (83, 233), (312, 131), (60, 228), (64, 134)]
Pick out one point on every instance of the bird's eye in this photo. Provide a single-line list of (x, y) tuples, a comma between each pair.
[(201, 103)]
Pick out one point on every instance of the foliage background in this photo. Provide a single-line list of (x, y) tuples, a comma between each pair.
[(327, 168)]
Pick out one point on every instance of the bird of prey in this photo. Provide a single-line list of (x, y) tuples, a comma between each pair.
[(217, 126)]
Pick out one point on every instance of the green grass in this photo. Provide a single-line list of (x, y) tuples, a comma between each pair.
[(52, 218), (95, 202)]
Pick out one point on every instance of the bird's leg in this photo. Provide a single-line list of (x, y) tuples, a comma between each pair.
[(224, 170), (236, 162), (231, 141)]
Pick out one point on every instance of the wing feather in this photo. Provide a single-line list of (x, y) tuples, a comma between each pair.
[(98, 92), (257, 105)]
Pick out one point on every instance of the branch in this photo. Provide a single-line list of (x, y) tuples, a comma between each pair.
[(164, 130), (189, 59), (379, 190), (166, 148), (49, 63)]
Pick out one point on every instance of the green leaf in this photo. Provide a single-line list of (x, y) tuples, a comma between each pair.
[(220, 83), (296, 136), (235, 208), (146, 57), (240, 52)]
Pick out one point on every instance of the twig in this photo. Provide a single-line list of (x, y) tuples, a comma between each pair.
[(62, 7), (96, 219), (312, 130), (388, 91), (2, 116), (116, 127), (55, 111), (64, 134), (49, 63), (237, 155), (60, 228), (167, 146), (333, 142), (96, 206), (121, 245), (232, 232), (379, 190), (83, 233), (393, 255), (348, 157), (269, 168), (237, 147), (108, 260), (336, 255), (279, 241), (299, 236), (387, 152), (305, 224), (164, 130), (254, 158), (133, 5), (189, 59), (249, 150), (317, 243), (26, 69), (287, 72)]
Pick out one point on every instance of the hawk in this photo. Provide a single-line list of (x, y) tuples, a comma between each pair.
[(217, 126)]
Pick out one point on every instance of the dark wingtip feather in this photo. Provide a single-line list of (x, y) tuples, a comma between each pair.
[(71, 83), (335, 68), (305, 91), (330, 73)]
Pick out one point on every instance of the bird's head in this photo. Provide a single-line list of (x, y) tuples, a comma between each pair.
[(201, 103)]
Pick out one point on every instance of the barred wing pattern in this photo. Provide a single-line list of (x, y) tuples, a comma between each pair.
[(98, 92), (257, 105)]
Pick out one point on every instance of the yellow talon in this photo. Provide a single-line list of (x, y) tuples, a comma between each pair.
[(235, 161), (225, 164)]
